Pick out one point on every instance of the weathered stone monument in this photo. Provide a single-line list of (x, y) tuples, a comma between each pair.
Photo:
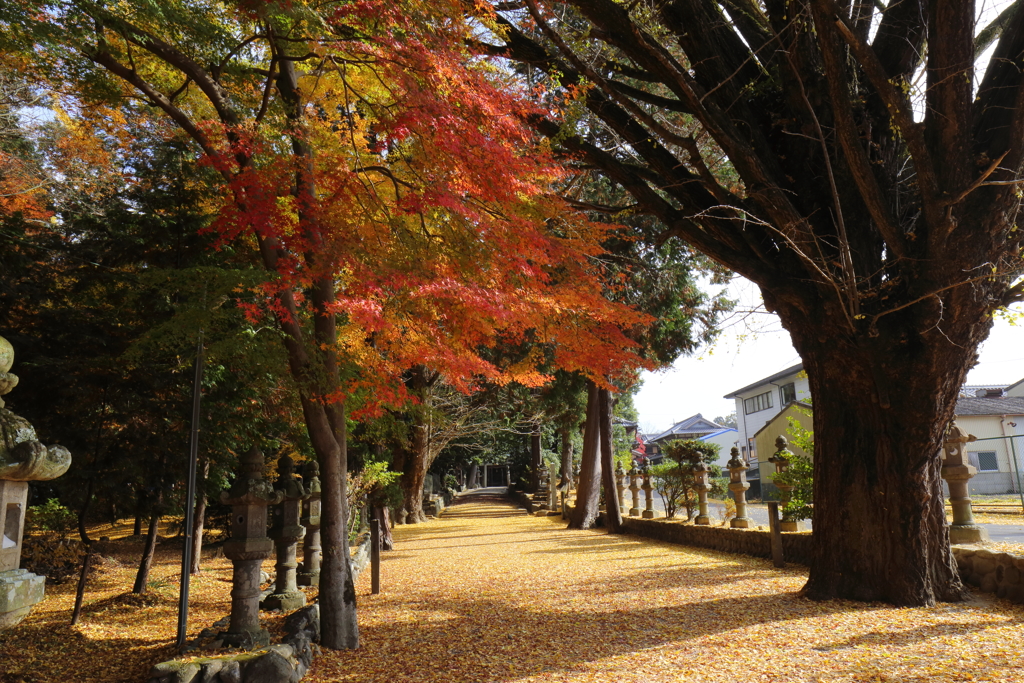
[(22, 459), (702, 485), (648, 493), (552, 489), (738, 485), (957, 473), (309, 572), (781, 461), (620, 488), (634, 488), (248, 497), (286, 531)]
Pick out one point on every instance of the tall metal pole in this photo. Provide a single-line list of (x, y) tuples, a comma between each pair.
[(190, 497)]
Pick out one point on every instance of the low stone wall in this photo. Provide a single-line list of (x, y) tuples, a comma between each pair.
[(999, 573), (796, 548)]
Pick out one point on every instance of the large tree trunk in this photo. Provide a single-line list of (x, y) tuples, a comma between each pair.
[(199, 522), (414, 475), (880, 413), (146, 562), (339, 628), (588, 490), (613, 514)]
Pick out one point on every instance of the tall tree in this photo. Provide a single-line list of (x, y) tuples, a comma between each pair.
[(847, 158), (383, 179)]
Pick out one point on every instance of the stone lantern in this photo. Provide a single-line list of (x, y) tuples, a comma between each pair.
[(309, 572), (781, 461), (249, 546), (620, 488), (287, 530), (738, 485), (634, 488), (702, 485), (22, 459), (552, 488), (957, 473), (648, 512)]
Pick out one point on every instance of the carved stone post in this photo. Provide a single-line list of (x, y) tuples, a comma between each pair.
[(957, 473), (634, 487), (286, 531), (738, 485), (648, 494), (620, 488), (701, 484), (309, 572), (552, 488), (781, 461), (22, 459), (248, 497)]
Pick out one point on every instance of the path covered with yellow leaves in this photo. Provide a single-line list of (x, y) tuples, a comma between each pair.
[(487, 593)]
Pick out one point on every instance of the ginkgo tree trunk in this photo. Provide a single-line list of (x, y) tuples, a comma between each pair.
[(849, 159)]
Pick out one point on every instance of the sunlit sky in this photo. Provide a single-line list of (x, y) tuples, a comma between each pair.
[(757, 347)]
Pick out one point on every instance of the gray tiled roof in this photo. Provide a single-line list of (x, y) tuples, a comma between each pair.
[(990, 406)]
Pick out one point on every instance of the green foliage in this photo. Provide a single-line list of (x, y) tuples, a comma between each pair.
[(799, 474), (674, 479), (51, 517)]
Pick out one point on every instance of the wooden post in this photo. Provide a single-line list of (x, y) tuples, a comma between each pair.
[(776, 531), (374, 556)]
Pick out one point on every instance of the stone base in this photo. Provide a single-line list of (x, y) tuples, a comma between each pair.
[(790, 526), (648, 514), (541, 512), (20, 589), (286, 602), (739, 523), (308, 579), (247, 640), (961, 534), (702, 520), (634, 512)]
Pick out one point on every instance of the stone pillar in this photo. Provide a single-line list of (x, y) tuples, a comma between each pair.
[(781, 461), (648, 494), (957, 474), (286, 531), (22, 459), (309, 572), (738, 485), (248, 497), (620, 488), (701, 484), (634, 487), (552, 488)]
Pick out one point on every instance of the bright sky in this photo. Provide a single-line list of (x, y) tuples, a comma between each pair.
[(758, 347)]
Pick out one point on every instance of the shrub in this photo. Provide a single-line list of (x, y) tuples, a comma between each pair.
[(53, 518), (674, 480)]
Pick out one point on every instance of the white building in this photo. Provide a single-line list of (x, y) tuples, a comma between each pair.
[(758, 403)]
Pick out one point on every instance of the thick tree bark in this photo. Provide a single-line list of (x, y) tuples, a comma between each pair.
[(613, 515), (339, 628), (588, 489), (878, 417), (414, 475)]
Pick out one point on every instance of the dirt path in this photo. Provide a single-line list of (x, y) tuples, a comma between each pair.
[(487, 593)]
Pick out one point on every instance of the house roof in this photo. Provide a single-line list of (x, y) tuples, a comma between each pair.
[(778, 375), (798, 404), (696, 425), (719, 433), (990, 406), (1014, 385)]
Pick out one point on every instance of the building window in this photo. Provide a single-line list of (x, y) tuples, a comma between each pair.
[(985, 461), (787, 394), (751, 449), (757, 403)]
